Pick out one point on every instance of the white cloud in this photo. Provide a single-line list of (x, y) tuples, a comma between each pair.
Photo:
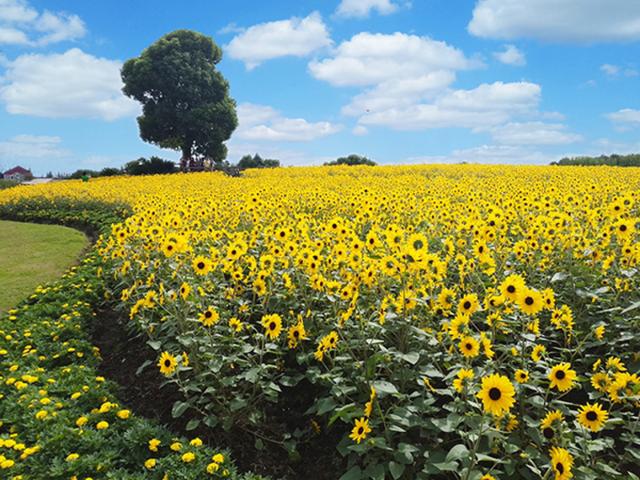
[(625, 118), (609, 69), (70, 84), (261, 122), (23, 147), (360, 130), (16, 11), (399, 92), (484, 106), (370, 59), (296, 37), (362, 8), (287, 156), (231, 28), (615, 70), (22, 25), (511, 55), (557, 20), (490, 154), (13, 36), (533, 133)]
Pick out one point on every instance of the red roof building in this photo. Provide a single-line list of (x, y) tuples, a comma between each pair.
[(18, 173)]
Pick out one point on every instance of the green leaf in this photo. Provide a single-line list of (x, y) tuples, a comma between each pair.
[(411, 357), (457, 452), (385, 388), (179, 408), (355, 473), (192, 424), (155, 344), (396, 469)]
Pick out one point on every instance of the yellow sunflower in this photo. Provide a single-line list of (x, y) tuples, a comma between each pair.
[(468, 304), (469, 347), (201, 265), (496, 394), (209, 317), (530, 301), (521, 376), (460, 382), (561, 462), (273, 325), (592, 416), (511, 287), (360, 430), (562, 377), (167, 364), (550, 422)]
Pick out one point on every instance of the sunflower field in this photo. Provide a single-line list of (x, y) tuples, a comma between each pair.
[(424, 322)]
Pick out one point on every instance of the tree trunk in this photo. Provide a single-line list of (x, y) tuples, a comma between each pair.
[(185, 161)]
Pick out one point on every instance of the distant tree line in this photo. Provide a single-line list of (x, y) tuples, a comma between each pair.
[(632, 160), (352, 159), (141, 166)]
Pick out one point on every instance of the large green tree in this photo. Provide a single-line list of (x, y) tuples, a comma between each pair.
[(185, 101)]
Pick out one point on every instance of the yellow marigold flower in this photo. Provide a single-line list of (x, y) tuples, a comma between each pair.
[(72, 456), (42, 414), (599, 332), (212, 468), (102, 425), (124, 414), (150, 463), (188, 457), (154, 443), (218, 458), (176, 446), (196, 442)]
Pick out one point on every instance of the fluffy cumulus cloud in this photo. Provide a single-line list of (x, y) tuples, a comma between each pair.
[(511, 55), (362, 8), (484, 106), (27, 147), (533, 133), (582, 21), (70, 84), (616, 70), (627, 117), (296, 37), (372, 58), (264, 123), (21, 24)]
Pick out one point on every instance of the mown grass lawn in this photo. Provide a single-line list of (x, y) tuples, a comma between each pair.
[(32, 254)]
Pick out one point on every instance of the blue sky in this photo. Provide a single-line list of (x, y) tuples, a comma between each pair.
[(487, 81)]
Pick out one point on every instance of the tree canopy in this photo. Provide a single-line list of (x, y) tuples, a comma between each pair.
[(185, 101), (257, 162), (614, 160), (352, 159)]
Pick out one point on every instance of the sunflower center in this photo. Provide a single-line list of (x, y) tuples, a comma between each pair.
[(495, 394), (200, 265), (468, 346), (560, 468), (592, 416), (208, 314), (623, 228), (511, 289), (528, 300), (560, 374), (360, 430), (167, 363), (296, 333), (466, 305), (272, 326), (548, 433)]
